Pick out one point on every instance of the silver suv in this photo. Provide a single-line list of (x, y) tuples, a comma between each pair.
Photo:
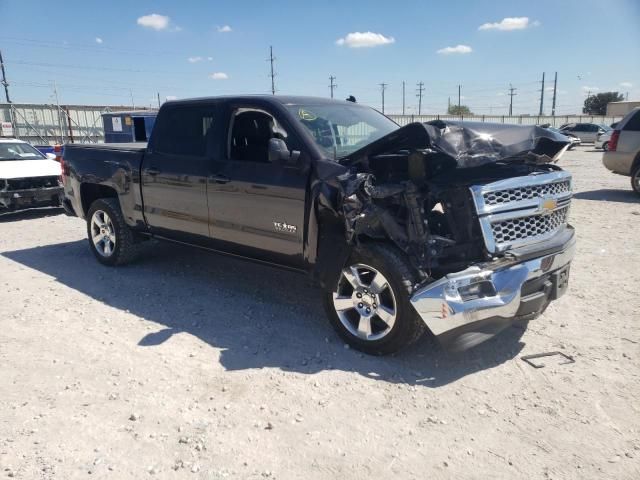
[(623, 155), (586, 132)]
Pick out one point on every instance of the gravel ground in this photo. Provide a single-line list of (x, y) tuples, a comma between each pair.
[(192, 365)]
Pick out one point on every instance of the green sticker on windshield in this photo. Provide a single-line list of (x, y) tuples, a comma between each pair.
[(306, 115)]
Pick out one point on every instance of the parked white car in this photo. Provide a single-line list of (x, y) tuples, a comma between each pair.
[(602, 140), (27, 177)]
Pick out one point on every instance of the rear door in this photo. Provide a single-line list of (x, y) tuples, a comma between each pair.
[(256, 208), (629, 140), (175, 171)]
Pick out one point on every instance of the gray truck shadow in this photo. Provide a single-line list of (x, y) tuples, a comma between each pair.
[(258, 316), (609, 195)]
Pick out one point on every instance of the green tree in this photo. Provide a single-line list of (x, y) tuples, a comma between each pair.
[(459, 110), (597, 104)]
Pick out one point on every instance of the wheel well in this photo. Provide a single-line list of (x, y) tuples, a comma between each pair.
[(636, 162), (90, 192)]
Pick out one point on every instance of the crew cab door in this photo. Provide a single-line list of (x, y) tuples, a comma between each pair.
[(175, 171), (257, 208)]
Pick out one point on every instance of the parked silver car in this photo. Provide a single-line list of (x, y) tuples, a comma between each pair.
[(586, 132), (623, 153), (602, 140)]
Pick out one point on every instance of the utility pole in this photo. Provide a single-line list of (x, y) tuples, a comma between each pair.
[(133, 105), (555, 86), (459, 91), (448, 104), (273, 75), (158, 93), (4, 79), (511, 94), (5, 84), (626, 97), (542, 96), (332, 84), (419, 95), (383, 87), (55, 93), (403, 96)]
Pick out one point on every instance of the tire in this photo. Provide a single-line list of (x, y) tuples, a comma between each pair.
[(359, 319), (105, 220), (605, 147), (635, 178)]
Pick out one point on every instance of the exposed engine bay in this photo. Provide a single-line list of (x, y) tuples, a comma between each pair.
[(412, 187)]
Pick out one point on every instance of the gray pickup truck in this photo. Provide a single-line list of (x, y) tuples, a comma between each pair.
[(455, 228)]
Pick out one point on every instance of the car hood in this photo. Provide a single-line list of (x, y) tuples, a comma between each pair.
[(28, 168), (470, 144)]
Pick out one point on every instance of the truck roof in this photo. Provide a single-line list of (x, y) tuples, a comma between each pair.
[(272, 99)]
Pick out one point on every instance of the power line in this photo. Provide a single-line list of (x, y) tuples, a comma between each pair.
[(383, 87), (273, 75), (332, 85), (419, 95), (511, 94)]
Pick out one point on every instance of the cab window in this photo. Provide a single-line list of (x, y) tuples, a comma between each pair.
[(251, 130)]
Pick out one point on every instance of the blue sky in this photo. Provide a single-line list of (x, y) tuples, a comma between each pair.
[(106, 52)]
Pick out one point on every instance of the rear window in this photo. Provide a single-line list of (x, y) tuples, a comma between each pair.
[(183, 130), (633, 124)]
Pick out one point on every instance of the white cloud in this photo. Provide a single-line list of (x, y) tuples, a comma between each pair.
[(194, 59), (225, 29), (209, 59), (98, 40), (154, 21), (510, 23), (219, 76), (364, 39), (170, 97), (457, 49), (586, 89), (626, 84)]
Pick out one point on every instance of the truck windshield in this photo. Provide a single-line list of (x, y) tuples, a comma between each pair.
[(19, 151), (340, 129)]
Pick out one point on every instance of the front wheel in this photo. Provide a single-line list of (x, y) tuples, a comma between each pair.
[(110, 238), (369, 303), (605, 146), (635, 179)]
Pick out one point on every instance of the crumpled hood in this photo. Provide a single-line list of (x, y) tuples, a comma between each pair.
[(470, 144), (28, 168)]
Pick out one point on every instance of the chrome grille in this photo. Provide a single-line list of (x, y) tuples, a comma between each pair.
[(529, 228), (522, 210), (526, 193)]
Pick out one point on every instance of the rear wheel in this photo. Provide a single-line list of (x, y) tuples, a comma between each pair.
[(605, 146), (635, 179), (369, 303), (110, 238)]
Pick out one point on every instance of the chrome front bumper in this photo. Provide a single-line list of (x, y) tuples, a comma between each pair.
[(464, 301)]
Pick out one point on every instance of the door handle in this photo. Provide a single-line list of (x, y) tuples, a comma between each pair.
[(219, 178), (152, 171)]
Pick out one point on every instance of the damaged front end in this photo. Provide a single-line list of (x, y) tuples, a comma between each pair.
[(480, 210), (31, 192)]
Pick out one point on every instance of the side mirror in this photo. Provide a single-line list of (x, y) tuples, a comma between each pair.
[(279, 152), (50, 156)]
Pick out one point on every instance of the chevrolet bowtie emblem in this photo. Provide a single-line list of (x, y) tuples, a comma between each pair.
[(548, 205)]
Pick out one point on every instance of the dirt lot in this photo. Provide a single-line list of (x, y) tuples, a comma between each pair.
[(192, 365)]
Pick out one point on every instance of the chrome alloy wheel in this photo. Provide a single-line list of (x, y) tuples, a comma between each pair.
[(365, 302), (102, 233)]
